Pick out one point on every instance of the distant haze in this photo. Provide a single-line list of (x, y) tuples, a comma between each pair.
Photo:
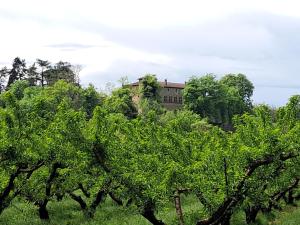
[(173, 39)]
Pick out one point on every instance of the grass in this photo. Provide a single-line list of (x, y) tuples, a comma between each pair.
[(290, 215), (67, 212)]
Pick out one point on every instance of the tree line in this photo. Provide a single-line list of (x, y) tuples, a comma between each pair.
[(40, 73), (62, 140)]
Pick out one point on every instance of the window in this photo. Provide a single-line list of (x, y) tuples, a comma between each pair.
[(170, 99), (165, 98), (180, 100), (175, 99)]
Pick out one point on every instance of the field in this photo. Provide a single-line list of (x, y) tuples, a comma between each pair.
[(67, 212)]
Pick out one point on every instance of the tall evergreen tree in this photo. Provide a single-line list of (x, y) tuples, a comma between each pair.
[(18, 71), (44, 65), (33, 75)]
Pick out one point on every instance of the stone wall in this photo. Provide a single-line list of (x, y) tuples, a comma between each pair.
[(171, 98)]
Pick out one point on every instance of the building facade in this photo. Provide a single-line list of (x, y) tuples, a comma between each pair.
[(171, 94)]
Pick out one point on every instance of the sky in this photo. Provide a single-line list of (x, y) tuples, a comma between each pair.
[(170, 38)]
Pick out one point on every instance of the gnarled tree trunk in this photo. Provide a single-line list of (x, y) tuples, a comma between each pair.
[(78, 199), (43, 212), (115, 198), (99, 198), (251, 213), (148, 213)]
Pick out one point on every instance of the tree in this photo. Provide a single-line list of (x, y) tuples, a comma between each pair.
[(44, 65), (92, 99), (219, 100), (149, 88), (76, 70), (47, 124), (123, 81), (149, 98), (255, 149), (60, 71), (32, 75), (242, 84), (120, 101), (113, 137), (20, 151), (17, 72), (64, 151), (206, 97)]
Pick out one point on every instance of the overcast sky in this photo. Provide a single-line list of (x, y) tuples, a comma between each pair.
[(173, 39)]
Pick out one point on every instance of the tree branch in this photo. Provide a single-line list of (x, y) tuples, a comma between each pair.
[(237, 196)]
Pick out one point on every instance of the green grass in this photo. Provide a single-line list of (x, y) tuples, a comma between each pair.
[(67, 212), (290, 215)]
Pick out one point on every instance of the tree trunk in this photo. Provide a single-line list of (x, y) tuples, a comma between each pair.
[(78, 199), (4, 196), (148, 213), (43, 212), (226, 219), (59, 197), (84, 191), (116, 199), (290, 198), (99, 198), (251, 213), (178, 208)]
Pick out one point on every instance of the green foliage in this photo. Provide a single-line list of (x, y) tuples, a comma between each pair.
[(120, 101), (219, 100), (242, 85), (60, 71), (64, 140), (92, 99), (149, 88), (40, 73)]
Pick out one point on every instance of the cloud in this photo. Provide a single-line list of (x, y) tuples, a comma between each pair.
[(116, 38), (75, 46), (261, 45), (122, 67)]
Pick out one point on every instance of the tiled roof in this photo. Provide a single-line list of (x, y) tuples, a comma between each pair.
[(171, 85), (164, 84)]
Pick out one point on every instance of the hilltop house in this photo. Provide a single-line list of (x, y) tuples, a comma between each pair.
[(170, 94)]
